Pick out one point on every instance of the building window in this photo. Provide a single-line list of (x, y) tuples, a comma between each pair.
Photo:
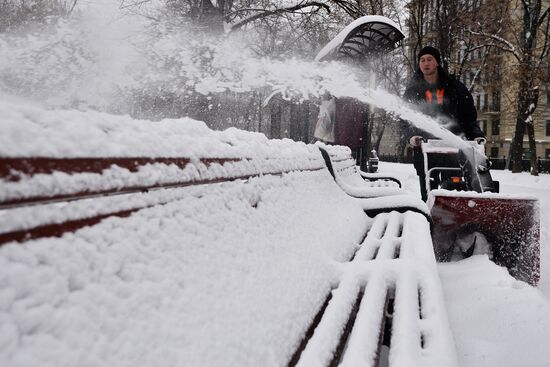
[(478, 101), (547, 153), (485, 102), (495, 127), (547, 128), (484, 126), (548, 98), (494, 152), (496, 101)]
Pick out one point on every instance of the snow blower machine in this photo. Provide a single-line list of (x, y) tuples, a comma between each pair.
[(471, 217)]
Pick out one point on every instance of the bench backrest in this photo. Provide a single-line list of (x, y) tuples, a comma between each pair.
[(33, 182), (50, 161)]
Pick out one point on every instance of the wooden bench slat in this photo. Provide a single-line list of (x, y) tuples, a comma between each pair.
[(401, 298), (110, 181), (58, 229), (12, 168), (70, 225)]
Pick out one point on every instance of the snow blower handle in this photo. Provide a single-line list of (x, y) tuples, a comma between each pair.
[(480, 140), (416, 140)]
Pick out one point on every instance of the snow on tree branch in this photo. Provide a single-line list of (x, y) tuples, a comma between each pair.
[(543, 16), (267, 13), (503, 43)]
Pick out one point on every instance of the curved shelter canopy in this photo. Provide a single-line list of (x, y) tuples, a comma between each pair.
[(363, 37)]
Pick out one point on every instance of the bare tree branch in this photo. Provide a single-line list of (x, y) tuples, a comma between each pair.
[(72, 6), (546, 46), (351, 9), (508, 46), (543, 16), (267, 13), (131, 4)]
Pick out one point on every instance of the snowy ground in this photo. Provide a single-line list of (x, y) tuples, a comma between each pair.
[(156, 286), (496, 320)]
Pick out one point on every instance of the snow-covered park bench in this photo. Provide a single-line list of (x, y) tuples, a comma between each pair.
[(136, 243), (383, 191), (343, 167)]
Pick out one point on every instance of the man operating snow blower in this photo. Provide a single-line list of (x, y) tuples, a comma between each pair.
[(469, 215), (444, 97)]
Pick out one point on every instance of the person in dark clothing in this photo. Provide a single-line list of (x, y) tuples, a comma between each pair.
[(344, 121), (443, 97)]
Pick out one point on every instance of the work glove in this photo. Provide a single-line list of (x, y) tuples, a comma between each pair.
[(480, 140), (416, 140)]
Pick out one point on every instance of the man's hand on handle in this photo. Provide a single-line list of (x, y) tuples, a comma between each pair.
[(416, 140)]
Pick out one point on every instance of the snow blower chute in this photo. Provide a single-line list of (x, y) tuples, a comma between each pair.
[(471, 217)]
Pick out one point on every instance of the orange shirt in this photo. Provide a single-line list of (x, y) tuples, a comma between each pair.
[(439, 94)]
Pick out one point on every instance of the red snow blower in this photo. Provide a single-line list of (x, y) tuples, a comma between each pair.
[(471, 217)]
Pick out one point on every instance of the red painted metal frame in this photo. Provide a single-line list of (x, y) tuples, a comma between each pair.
[(510, 224), (11, 170)]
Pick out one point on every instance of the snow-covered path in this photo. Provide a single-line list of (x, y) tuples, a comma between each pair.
[(496, 320)]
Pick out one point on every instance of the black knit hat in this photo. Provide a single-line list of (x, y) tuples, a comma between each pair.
[(429, 50)]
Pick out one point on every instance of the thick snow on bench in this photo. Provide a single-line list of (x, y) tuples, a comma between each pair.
[(29, 131), (225, 274)]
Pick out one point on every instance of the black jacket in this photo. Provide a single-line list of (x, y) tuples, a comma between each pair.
[(458, 105)]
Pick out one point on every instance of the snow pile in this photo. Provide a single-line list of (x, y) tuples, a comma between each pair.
[(30, 131), (226, 274)]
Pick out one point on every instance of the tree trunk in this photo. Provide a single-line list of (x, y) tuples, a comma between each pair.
[(258, 107), (367, 136), (531, 132), (533, 149), (295, 131), (276, 116), (524, 101), (211, 17), (380, 132)]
